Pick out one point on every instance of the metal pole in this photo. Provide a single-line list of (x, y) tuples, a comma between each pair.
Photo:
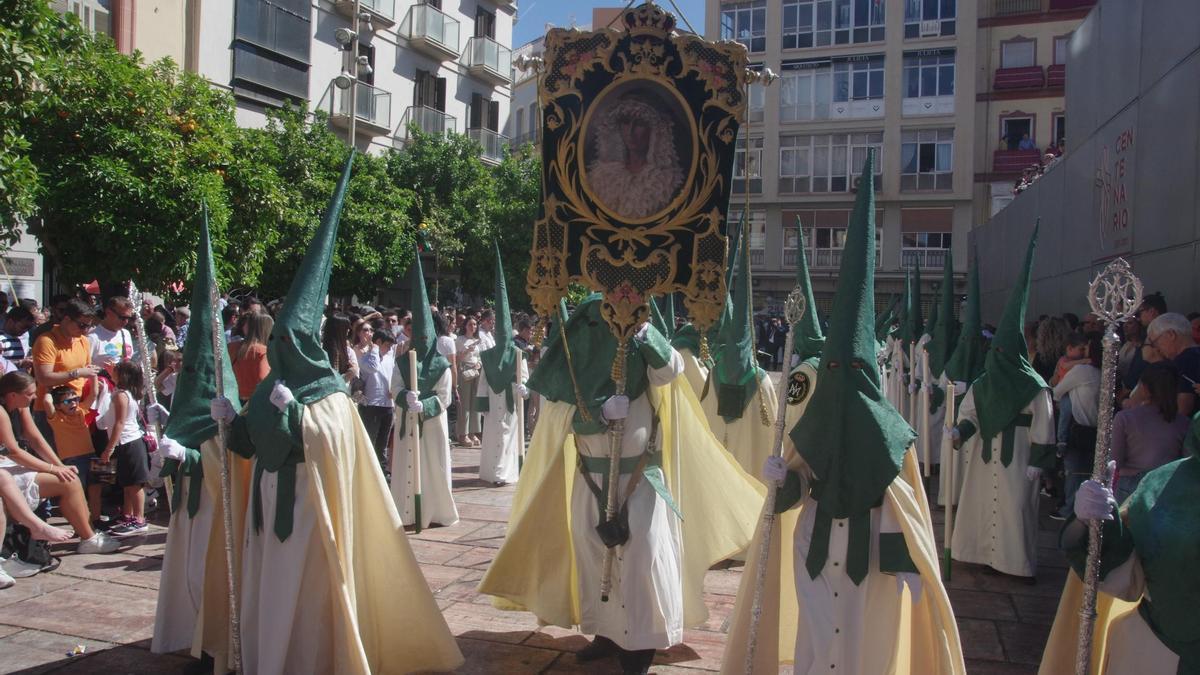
[(923, 415), (414, 439), (794, 309), (1114, 296), (354, 74), (520, 410), (948, 469)]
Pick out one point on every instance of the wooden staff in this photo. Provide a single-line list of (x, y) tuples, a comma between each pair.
[(150, 395), (520, 408), (948, 469), (1114, 296), (794, 308), (414, 440), (923, 415), (218, 345), (616, 437)]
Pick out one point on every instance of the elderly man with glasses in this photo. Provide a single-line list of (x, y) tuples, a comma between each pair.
[(1169, 338)]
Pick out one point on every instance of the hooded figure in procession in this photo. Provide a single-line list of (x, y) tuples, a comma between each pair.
[(329, 583), (961, 368), (739, 399), (499, 386), (428, 401), (941, 333), (1005, 430), (897, 353), (684, 502), (686, 340), (852, 583), (193, 592), (806, 344)]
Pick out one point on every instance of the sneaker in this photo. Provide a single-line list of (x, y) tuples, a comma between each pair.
[(1055, 515), (99, 543), (129, 528), (5, 580), (19, 569)]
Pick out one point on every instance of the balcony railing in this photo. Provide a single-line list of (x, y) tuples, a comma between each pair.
[(934, 258), (1010, 7), (429, 30), (534, 137), (372, 109), (832, 257), (489, 60), (789, 257), (383, 12), (758, 257), (493, 144), (425, 119)]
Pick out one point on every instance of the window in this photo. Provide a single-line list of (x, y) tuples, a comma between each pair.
[(928, 18), (1060, 49), (1014, 131), (429, 91), (271, 50), (926, 160), (485, 23), (519, 124), (367, 75), (745, 22), (483, 114), (534, 119), (925, 248), (926, 240), (751, 164), (929, 74), (826, 162), (94, 15), (805, 94), (757, 221), (1059, 128), (756, 103), (818, 23), (858, 78), (824, 236), (808, 88), (1018, 53)]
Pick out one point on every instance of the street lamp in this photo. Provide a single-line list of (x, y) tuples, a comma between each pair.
[(352, 62)]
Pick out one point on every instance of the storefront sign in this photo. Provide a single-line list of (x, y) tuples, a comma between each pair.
[(1114, 193)]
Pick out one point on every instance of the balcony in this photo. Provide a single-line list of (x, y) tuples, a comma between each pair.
[(830, 258), (372, 109), (1014, 161), (493, 144), (1056, 75), (1028, 77), (532, 137), (430, 31), (383, 12), (758, 257), (1011, 7), (489, 60), (789, 257), (425, 119), (934, 258)]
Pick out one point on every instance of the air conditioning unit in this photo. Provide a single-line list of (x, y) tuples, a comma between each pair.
[(931, 28)]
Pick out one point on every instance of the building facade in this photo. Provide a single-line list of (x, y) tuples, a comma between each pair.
[(1020, 106), (854, 75), (444, 67), (1129, 182)]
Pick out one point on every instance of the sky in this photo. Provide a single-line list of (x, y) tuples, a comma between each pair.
[(532, 15)]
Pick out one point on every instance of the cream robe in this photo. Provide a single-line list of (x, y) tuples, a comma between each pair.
[(746, 438), (694, 371), (193, 592), (897, 383), (997, 519), (437, 498), (343, 593), (925, 423), (945, 451), (501, 448), (874, 628), (645, 607)]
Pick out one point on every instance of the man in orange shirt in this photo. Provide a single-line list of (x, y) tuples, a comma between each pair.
[(63, 356)]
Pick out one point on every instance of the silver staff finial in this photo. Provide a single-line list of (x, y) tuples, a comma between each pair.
[(795, 306), (1115, 293)]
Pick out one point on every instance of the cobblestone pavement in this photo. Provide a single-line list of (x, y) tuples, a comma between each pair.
[(106, 604)]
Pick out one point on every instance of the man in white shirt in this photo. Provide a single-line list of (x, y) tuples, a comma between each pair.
[(375, 366), (111, 341), (487, 324)]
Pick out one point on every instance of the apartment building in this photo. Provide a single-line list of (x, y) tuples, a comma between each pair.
[(1021, 102), (445, 67)]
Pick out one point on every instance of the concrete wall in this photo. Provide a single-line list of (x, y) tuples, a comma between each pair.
[(1128, 185), (159, 29)]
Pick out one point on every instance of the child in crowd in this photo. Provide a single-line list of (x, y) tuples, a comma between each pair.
[(72, 437), (168, 375), (127, 445), (1076, 354)]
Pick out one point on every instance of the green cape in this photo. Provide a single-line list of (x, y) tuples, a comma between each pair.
[(851, 437), (913, 327), (500, 362), (663, 321), (966, 362), (808, 340), (1008, 382)]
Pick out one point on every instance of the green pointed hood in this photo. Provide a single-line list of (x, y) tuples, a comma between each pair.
[(190, 423), (430, 363), (808, 339), (850, 435), (294, 350), (500, 362), (966, 362), (944, 334), (931, 325), (735, 372), (913, 327), (1008, 382), (883, 325), (661, 322)]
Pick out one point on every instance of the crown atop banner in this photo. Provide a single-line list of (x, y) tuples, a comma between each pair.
[(648, 19)]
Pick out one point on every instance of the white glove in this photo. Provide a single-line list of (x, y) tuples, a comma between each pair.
[(615, 408), (171, 449), (913, 581), (1033, 473), (950, 435), (1094, 501), (221, 409), (413, 401), (281, 396), (640, 336), (522, 391), (927, 387), (156, 413), (912, 387), (960, 388), (774, 470)]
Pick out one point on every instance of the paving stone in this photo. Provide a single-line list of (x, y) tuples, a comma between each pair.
[(479, 558), (1023, 643), (127, 661), (31, 587), (435, 552), (91, 609), (982, 605), (1035, 609), (490, 657), (484, 622), (994, 668), (980, 640), (35, 651), (439, 577)]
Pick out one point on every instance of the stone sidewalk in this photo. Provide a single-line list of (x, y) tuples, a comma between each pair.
[(106, 604)]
